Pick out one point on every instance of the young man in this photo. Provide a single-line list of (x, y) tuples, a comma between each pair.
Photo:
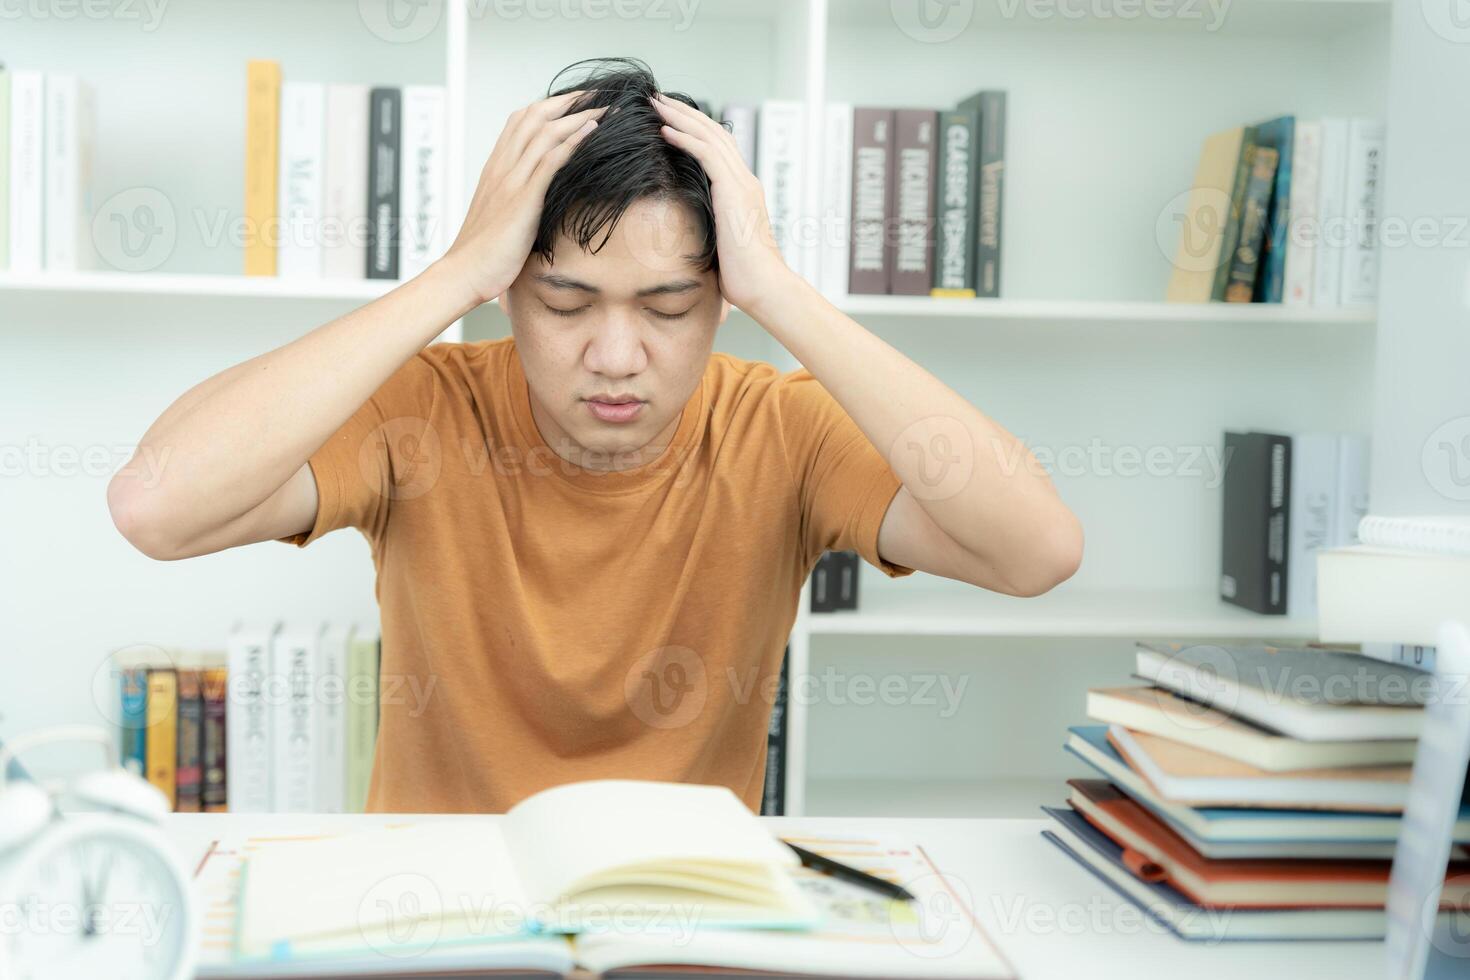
[(590, 538)]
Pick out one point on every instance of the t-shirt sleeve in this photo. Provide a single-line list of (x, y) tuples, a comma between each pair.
[(382, 453), (844, 485)]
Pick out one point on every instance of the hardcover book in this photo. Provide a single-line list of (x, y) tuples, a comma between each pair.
[(1280, 135), (262, 148), (1203, 244), (1331, 214), (344, 201), (249, 723), (1231, 230), (296, 705), (71, 122), (422, 180), (835, 220), (27, 171), (914, 157), (190, 737), (303, 131), (214, 691), (162, 738), (1362, 202), (385, 133), (1302, 231), (1255, 521), (781, 167), (872, 200), (991, 221), (1245, 267), (957, 203)]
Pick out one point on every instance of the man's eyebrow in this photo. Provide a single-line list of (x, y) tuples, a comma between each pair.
[(673, 288), (564, 282)]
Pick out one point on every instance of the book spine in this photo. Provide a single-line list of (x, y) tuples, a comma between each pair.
[(1232, 220), (1332, 187), (773, 796), (383, 192), (362, 718), (331, 722), (914, 148), (249, 737), (992, 193), (162, 737), (1352, 488), (1244, 575), (1313, 516), (344, 201), (303, 127), (295, 722), (1278, 524), (741, 121), (1271, 282), (780, 168), (959, 181), (27, 171), (835, 220), (1362, 198), (4, 168), (214, 786), (133, 682), (1245, 264), (1409, 654), (62, 173), (262, 151), (190, 741), (422, 178), (1302, 221), (872, 164)]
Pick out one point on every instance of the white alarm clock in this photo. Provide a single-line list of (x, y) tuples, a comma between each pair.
[(89, 894)]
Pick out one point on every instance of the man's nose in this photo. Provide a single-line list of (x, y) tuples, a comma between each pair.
[(616, 349)]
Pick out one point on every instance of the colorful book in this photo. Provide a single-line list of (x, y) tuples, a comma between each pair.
[(133, 716), (872, 200), (162, 738), (1233, 220), (345, 182), (1245, 266), (189, 737), (214, 691), (262, 165), (423, 179), (957, 203), (914, 148), (1278, 134), (384, 215), (1204, 247)]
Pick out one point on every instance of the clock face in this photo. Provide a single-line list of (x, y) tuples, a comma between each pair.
[(96, 900)]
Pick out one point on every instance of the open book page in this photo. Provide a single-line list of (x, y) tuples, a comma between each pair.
[(861, 934), (396, 888), (611, 846), (408, 951)]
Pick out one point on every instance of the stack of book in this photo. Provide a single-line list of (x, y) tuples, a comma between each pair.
[(342, 181), (47, 140), (1285, 211), (284, 720), (911, 199), (1251, 792)]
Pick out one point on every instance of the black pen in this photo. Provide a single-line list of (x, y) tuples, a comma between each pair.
[(837, 869)]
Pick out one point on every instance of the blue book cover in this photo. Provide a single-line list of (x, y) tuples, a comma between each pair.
[(1279, 134), (133, 684)]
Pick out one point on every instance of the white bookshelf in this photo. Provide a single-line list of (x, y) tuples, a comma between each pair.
[(1106, 117)]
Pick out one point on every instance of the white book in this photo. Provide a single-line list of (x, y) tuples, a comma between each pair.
[(1352, 488), (295, 702), (742, 122), (1302, 228), (1332, 229), (1417, 655), (1312, 517), (835, 219), (303, 132), (27, 171), (249, 748), (71, 113), (331, 719), (781, 169), (1389, 595), (1447, 534), (1362, 204), (344, 195), (421, 178)]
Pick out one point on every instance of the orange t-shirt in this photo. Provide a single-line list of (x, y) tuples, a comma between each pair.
[(544, 623)]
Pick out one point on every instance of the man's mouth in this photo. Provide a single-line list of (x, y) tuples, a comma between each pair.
[(616, 408)]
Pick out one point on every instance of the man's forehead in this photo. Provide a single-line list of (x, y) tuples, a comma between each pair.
[(655, 240)]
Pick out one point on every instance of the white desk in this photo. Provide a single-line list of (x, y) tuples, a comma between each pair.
[(1050, 917)]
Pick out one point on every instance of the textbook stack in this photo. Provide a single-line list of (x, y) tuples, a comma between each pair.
[(342, 180), (1251, 792), (48, 128), (910, 199), (284, 720), (1285, 211)]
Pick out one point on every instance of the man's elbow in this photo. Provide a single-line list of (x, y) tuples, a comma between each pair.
[(140, 520), (1054, 559)]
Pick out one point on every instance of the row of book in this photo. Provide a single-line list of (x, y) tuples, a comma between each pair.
[(342, 180), (285, 719), (47, 150), (1285, 211), (910, 199), (1286, 498), (1251, 792)]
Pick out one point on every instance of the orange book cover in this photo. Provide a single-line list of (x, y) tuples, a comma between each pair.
[(161, 743), (262, 149)]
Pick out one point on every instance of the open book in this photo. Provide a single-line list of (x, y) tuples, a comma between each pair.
[(616, 877)]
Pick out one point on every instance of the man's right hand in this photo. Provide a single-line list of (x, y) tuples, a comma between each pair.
[(500, 224)]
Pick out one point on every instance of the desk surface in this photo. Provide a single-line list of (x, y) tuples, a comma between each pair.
[(1050, 917)]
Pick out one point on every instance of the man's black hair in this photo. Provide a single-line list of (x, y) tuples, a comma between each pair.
[(623, 160)]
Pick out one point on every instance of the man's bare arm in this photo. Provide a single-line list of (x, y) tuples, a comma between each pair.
[(226, 464)]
